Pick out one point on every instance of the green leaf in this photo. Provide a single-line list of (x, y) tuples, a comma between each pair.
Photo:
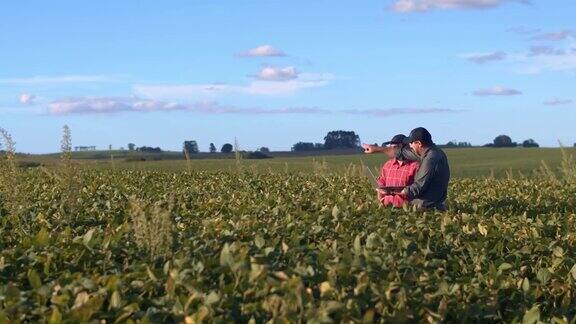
[(332, 306), (3, 318), (558, 252), (212, 298), (226, 258), (34, 279), (268, 250), (526, 285), (531, 316), (357, 244), (55, 317), (201, 314), (88, 236), (372, 240), (42, 238), (505, 266), (573, 271), (12, 293), (335, 211), (543, 275), (151, 274), (259, 241), (115, 300)]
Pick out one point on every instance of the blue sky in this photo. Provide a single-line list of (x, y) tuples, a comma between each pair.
[(272, 73)]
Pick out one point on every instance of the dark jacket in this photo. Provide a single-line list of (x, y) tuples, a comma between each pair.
[(431, 181)]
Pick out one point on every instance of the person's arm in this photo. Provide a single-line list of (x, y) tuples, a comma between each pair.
[(405, 153), (422, 179), (369, 149)]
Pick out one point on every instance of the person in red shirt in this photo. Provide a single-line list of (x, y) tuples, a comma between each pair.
[(396, 173)]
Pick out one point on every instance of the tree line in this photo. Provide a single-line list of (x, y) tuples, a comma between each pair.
[(339, 139), (506, 141)]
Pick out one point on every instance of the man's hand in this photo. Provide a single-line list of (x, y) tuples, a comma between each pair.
[(383, 192), (403, 193), (369, 149)]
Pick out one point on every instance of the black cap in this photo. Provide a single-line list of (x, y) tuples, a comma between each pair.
[(397, 139), (420, 134)]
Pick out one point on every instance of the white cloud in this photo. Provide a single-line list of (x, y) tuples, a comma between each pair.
[(272, 88), (497, 91), (56, 79), (538, 58), (482, 58), (254, 87), (214, 108), (263, 51), (270, 73), (96, 105), (108, 105), (546, 59), (543, 63), (404, 6), (557, 102), (27, 99), (399, 111), (181, 91), (554, 36), (545, 50), (522, 30)]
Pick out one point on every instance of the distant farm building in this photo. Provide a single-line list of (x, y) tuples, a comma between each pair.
[(84, 148)]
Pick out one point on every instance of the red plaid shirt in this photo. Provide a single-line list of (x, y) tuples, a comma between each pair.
[(394, 174)]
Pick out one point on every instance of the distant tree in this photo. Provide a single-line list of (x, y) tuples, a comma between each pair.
[(131, 146), (110, 147), (303, 146), (264, 149), (504, 141), (341, 139), (530, 143), (257, 155), (212, 148), (227, 148), (190, 146), (453, 144), (148, 149), (318, 146)]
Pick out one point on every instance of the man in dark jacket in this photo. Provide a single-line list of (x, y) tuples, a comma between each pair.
[(430, 187)]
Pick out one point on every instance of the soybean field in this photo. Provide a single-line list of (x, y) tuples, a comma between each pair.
[(105, 245)]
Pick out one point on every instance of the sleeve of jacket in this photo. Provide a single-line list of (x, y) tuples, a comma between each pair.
[(407, 154), (423, 177)]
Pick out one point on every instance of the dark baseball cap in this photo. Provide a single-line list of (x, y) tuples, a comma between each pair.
[(419, 134), (397, 139)]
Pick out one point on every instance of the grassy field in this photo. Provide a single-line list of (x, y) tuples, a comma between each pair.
[(464, 163)]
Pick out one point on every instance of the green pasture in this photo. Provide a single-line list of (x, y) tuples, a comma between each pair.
[(464, 163)]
